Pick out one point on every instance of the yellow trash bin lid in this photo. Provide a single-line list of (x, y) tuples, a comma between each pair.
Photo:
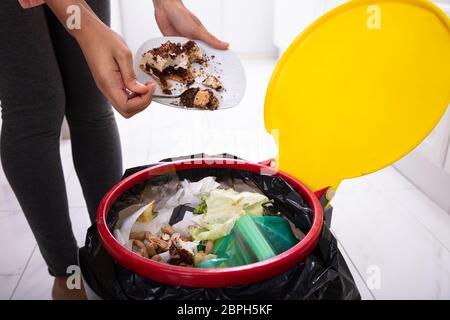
[(359, 89)]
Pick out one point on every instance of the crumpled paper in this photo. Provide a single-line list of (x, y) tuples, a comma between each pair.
[(189, 193)]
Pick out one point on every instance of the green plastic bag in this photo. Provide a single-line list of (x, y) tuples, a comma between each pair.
[(252, 239)]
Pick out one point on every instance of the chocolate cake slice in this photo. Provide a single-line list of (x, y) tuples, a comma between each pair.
[(213, 82), (172, 61), (200, 99)]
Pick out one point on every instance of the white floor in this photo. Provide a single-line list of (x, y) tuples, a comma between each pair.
[(395, 240)]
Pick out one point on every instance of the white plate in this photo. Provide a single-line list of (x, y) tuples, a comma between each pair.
[(226, 65)]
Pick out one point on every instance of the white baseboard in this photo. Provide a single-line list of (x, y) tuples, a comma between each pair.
[(427, 177)]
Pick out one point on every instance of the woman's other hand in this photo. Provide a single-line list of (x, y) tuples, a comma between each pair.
[(174, 19)]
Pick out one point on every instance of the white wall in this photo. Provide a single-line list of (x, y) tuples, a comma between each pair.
[(116, 20), (291, 17), (137, 22), (246, 24)]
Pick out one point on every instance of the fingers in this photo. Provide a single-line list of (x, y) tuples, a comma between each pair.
[(139, 103), (124, 59), (203, 35), (164, 25), (129, 107), (167, 30)]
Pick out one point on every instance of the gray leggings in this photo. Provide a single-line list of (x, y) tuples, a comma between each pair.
[(44, 77)]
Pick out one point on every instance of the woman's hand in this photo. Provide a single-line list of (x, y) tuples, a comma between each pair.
[(108, 57), (111, 64), (174, 19)]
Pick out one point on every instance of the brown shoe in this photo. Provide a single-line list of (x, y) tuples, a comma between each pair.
[(60, 291)]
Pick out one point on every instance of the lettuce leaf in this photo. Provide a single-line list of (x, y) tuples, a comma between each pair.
[(223, 208)]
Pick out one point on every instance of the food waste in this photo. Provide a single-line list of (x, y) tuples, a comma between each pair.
[(175, 61), (204, 225)]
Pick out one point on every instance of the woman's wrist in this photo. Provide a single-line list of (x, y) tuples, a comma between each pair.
[(90, 27), (77, 17)]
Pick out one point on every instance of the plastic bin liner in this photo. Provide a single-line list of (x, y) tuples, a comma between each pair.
[(252, 239), (322, 275)]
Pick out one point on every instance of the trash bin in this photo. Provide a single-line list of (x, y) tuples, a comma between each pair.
[(339, 105), (312, 269)]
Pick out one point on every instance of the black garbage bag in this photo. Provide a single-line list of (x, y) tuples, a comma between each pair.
[(322, 275)]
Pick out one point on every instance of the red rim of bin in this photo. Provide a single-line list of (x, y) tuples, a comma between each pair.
[(207, 277)]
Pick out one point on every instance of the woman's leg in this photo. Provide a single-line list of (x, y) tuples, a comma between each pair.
[(33, 102), (95, 139)]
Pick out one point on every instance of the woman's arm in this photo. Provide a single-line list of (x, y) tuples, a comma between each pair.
[(108, 57), (174, 19)]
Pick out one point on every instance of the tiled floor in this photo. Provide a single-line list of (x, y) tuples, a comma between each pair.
[(391, 229), (395, 240)]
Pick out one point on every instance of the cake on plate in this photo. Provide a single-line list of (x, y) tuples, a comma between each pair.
[(172, 61)]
